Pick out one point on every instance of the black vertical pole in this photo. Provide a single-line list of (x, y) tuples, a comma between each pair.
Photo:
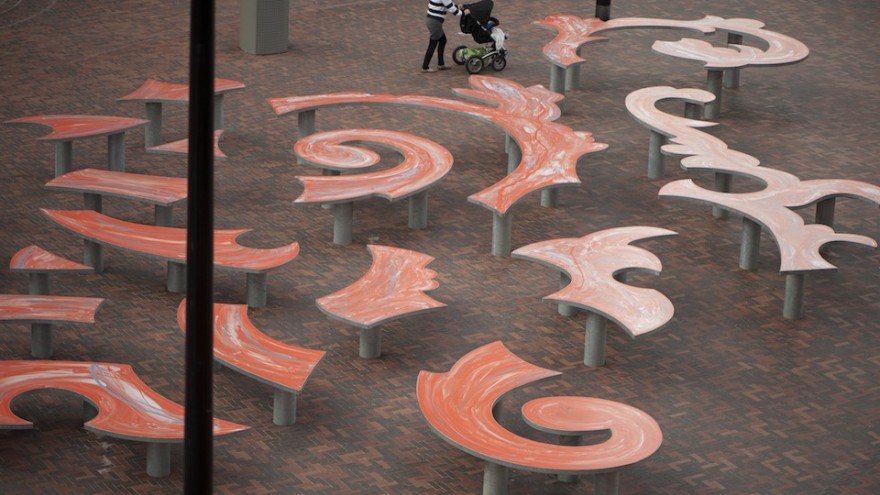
[(199, 417), (603, 9)]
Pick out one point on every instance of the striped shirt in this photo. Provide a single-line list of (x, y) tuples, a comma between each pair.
[(439, 8)]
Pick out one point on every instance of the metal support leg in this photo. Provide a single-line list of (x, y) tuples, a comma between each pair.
[(93, 255), (41, 340), (162, 216), (656, 163), (573, 77), (38, 283), (343, 214), (418, 210), (153, 131), (603, 9), (176, 277), (158, 459), (63, 157), (501, 231), (693, 111), (557, 79), (116, 152), (574, 441), (751, 242), (712, 110), (370, 343), (284, 408), (514, 156), (305, 122), (550, 197), (723, 183), (606, 483), (218, 112), (731, 76), (257, 289), (594, 340), (89, 411), (494, 479), (793, 307), (566, 309), (825, 212)]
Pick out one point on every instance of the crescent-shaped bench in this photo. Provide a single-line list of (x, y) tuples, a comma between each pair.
[(169, 244), (393, 287), (42, 311), (94, 184), (69, 128), (39, 264), (459, 406), (115, 403), (153, 94), (239, 345)]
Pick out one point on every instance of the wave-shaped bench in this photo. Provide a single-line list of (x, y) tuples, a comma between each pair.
[(771, 208), (459, 407), (542, 154), (43, 311), (169, 244), (393, 287), (593, 275), (424, 163), (181, 147), (153, 94), (69, 128), (39, 263), (239, 345), (115, 401), (163, 192)]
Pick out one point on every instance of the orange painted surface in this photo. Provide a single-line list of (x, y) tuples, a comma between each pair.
[(550, 151), (458, 407), (72, 127), (424, 164), (573, 32), (48, 309), (393, 287), (591, 262), (150, 188), (33, 258), (799, 243), (169, 243), (240, 345), (181, 147), (162, 92), (634, 434), (127, 407)]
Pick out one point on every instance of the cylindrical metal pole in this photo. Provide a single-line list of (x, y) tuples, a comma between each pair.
[(199, 416), (603, 9)]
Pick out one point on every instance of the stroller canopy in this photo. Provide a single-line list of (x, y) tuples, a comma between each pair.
[(479, 15)]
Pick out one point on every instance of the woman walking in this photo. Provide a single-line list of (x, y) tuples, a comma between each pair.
[(437, 10)]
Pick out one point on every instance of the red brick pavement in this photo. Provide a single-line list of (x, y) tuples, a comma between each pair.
[(749, 403)]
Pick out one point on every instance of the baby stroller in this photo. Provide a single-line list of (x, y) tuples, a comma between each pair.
[(480, 24)]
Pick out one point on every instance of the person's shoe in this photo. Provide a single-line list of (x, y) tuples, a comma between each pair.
[(429, 70), (442, 67)]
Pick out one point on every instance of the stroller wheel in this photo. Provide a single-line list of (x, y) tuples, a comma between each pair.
[(499, 62), (459, 55), (474, 65)]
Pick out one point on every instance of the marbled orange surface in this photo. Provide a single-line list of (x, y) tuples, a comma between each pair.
[(48, 309), (72, 127), (162, 92), (35, 258), (150, 188)]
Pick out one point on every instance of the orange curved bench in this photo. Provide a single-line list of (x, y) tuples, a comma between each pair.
[(116, 403), (181, 147), (42, 311), (458, 406), (239, 345), (169, 244), (155, 93), (68, 128), (542, 154), (39, 263), (163, 192), (423, 164), (393, 287), (593, 268)]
